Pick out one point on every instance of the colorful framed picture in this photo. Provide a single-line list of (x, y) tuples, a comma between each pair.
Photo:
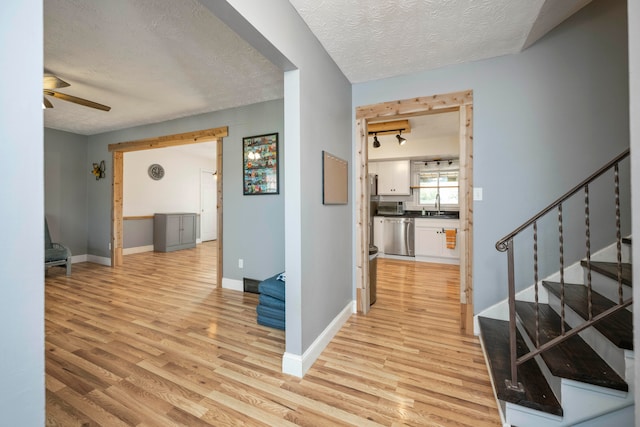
[(260, 164)]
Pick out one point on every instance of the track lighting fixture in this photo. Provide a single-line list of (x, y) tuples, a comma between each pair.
[(436, 162), (401, 140), (376, 143)]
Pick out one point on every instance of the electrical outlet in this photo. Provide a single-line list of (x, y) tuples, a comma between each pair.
[(109, 245), (240, 263), (477, 193)]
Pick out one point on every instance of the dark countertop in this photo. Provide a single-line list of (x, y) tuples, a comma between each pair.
[(429, 215)]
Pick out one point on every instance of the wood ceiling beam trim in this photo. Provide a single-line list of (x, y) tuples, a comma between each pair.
[(383, 128), (206, 135), (423, 105)]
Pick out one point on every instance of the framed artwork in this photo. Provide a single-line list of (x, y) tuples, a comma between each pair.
[(260, 164)]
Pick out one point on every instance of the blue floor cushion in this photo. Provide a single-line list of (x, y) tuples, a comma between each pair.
[(273, 313), (271, 322), (267, 301), (272, 287)]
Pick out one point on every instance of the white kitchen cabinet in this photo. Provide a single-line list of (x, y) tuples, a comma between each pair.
[(394, 178), (378, 233), (431, 241)]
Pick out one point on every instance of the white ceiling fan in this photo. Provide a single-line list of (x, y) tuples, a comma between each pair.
[(51, 82)]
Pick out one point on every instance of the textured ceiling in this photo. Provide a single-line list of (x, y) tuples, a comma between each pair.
[(371, 40), (150, 60), (156, 60)]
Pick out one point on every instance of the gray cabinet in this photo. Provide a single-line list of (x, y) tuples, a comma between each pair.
[(174, 231)]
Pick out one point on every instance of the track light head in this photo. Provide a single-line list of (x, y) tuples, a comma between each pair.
[(401, 140), (376, 143)]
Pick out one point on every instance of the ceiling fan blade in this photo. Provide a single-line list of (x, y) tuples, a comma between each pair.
[(47, 103), (52, 82), (77, 100)]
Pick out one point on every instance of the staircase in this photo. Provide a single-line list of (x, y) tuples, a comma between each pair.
[(564, 354)]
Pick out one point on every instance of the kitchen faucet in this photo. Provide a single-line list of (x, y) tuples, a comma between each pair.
[(438, 203)]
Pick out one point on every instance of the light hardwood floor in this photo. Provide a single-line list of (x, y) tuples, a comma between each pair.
[(156, 343)]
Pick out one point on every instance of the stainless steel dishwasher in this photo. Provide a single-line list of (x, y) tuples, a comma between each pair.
[(399, 236)]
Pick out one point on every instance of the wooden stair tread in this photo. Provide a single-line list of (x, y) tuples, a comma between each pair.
[(572, 359), (537, 395), (617, 328), (610, 269)]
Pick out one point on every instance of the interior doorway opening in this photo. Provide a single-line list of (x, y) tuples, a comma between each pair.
[(395, 110), (118, 150), (208, 202)]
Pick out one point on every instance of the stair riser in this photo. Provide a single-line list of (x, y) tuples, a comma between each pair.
[(588, 406), (608, 287), (583, 401), (611, 353), (610, 254)]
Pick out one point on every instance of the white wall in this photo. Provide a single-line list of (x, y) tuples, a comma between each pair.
[(444, 147), (634, 114), (22, 397), (177, 191), (431, 136)]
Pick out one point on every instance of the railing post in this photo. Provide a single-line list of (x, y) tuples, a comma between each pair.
[(535, 281), (561, 241), (513, 383), (587, 223), (616, 177)]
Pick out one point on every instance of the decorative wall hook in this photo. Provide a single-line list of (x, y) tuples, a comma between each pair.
[(98, 170)]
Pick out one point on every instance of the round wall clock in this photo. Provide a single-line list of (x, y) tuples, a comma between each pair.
[(156, 171)]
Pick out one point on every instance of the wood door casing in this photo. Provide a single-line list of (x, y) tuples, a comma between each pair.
[(118, 150), (456, 101)]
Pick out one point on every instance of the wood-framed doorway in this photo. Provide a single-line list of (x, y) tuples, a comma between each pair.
[(456, 101), (118, 150)]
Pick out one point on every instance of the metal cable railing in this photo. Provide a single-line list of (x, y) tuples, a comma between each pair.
[(506, 244)]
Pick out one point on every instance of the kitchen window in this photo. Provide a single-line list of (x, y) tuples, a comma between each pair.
[(444, 183)]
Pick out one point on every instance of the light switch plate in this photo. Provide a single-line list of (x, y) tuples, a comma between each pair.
[(477, 193)]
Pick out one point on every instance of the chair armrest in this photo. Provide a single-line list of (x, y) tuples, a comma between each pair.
[(59, 246)]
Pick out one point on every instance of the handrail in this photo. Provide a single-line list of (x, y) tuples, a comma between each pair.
[(507, 244), (501, 245)]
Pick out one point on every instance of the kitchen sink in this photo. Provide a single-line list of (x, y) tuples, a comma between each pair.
[(436, 215)]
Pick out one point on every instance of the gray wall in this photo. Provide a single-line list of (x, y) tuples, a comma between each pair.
[(253, 225), (137, 232), (544, 119), (67, 178), (22, 397), (318, 117)]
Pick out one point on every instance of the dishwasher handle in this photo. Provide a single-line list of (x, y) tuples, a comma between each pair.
[(410, 237)]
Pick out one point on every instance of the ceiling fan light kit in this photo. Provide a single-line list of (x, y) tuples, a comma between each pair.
[(51, 82)]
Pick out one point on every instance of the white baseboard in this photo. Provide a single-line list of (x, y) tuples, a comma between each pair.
[(99, 260), (236, 285), (137, 250), (438, 260), (91, 258), (297, 365), (78, 258)]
